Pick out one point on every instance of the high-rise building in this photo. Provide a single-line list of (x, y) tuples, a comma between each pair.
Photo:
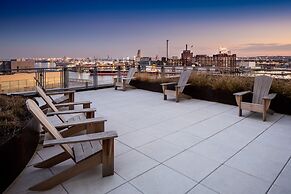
[(138, 55), (186, 57)]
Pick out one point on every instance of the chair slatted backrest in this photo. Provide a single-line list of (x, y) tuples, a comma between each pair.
[(48, 127), (48, 101), (40, 85), (184, 77), (130, 74), (262, 87)]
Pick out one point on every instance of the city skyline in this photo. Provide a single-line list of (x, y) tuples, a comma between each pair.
[(119, 29)]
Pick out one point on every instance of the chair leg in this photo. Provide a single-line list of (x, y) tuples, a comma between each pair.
[(238, 102), (67, 174), (164, 91), (177, 95), (124, 86), (53, 160), (108, 157), (165, 97), (264, 115)]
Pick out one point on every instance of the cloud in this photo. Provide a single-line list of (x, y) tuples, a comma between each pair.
[(265, 47)]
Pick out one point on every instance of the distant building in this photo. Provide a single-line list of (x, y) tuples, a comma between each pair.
[(5, 67), (246, 64), (164, 60), (186, 57), (203, 60), (23, 64), (224, 60), (16, 65), (145, 61), (175, 60), (138, 55)]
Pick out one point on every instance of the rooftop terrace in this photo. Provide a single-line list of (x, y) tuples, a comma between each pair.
[(192, 146)]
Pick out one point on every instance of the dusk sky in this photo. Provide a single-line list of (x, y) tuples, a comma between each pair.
[(101, 28)]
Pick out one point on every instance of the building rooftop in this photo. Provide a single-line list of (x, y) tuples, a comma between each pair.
[(192, 146)]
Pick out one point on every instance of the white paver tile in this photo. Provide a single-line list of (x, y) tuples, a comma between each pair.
[(260, 160), (192, 165), (125, 189), (200, 189), (132, 164), (160, 150), (162, 180), (182, 139), (283, 181), (120, 148), (214, 151), (227, 180), (279, 190), (136, 139)]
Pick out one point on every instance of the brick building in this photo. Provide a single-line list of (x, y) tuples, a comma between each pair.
[(186, 57)]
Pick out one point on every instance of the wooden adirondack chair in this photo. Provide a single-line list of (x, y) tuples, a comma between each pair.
[(54, 107), (179, 87), (261, 98), (68, 95), (86, 115), (88, 151), (63, 101), (123, 82)]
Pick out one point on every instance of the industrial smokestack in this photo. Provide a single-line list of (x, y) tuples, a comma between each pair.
[(167, 49)]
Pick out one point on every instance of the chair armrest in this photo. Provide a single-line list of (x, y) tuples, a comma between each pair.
[(82, 138), (270, 96), (242, 93), (169, 83), (71, 111), (179, 86), (128, 78), (73, 103), (60, 92), (83, 122)]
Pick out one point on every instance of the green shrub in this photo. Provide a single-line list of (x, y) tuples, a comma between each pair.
[(225, 82)]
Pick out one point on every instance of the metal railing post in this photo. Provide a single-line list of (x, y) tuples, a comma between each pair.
[(163, 71), (66, 77), (138, 68), (119, 73), (95, 77)]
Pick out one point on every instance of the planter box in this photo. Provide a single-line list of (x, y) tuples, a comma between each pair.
[(17, 152), (281, 104)]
